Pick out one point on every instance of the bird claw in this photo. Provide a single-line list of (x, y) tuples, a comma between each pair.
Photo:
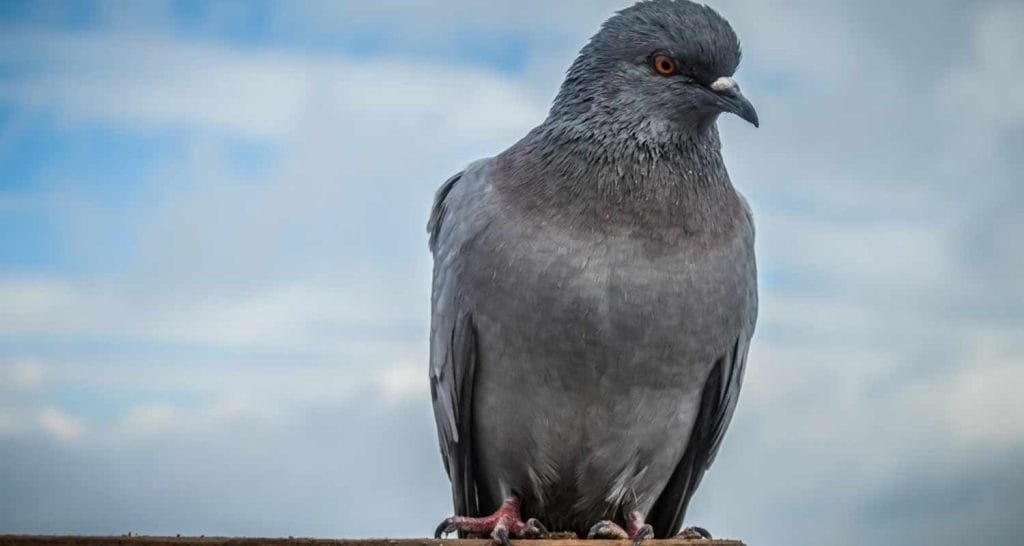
[(607, 529), (500, 535), (694, 533), (534, 528), (501, 525), (644, 532), (638, 530), (445, 528)]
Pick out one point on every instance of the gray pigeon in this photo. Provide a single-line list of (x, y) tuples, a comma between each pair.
[(594, 292)]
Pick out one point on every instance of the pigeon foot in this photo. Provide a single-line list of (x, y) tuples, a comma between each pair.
[(694, 533), (501, 525), (638, 530)]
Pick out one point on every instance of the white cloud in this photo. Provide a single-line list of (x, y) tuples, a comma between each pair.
[(161, 421), (984, 86), (885, 256), (404, 381), (985, 405), (302, 317), (581, 16), (138, 80), (153, 80), (60, 425), (22, 373), (981, 400), (151, 419), (218, 261)]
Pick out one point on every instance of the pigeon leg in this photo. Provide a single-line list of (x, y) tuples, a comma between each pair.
[(694, 533), (638, 530), (501, 525)]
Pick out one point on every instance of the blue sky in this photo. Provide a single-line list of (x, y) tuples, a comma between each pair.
[(214, 280)]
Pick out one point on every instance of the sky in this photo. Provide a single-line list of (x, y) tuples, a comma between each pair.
[(214, 279)]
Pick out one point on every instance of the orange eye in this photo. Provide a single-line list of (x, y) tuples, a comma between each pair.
[(664, 65)]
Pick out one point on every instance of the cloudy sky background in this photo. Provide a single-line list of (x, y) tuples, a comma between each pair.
[(214, 278)]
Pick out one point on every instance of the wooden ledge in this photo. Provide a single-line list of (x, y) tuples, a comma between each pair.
[(127, 540)]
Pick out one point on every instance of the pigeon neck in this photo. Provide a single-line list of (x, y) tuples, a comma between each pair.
[(620, 176)]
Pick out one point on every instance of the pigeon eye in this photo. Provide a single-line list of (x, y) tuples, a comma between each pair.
[(664, 65)]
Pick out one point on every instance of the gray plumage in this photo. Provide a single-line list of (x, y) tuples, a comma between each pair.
[(594, 287)]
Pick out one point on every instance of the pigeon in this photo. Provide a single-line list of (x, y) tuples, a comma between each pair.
[(594, 293)]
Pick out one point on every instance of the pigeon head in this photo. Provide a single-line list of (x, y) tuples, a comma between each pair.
[(658, 68)]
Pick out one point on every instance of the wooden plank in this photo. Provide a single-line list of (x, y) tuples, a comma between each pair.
[(126, 540)]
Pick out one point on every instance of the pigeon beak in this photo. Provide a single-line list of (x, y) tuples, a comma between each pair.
[(728, 93)]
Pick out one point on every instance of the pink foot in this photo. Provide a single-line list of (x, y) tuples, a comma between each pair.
[(638, 530), (502, 524)]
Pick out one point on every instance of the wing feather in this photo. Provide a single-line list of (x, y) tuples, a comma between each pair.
[(453, 358), (718, 402)]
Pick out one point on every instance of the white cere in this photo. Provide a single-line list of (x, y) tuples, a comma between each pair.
[(723, 83)]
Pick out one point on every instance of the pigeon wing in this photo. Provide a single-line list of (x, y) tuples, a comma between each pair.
[(453, 357), (718, 401)]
